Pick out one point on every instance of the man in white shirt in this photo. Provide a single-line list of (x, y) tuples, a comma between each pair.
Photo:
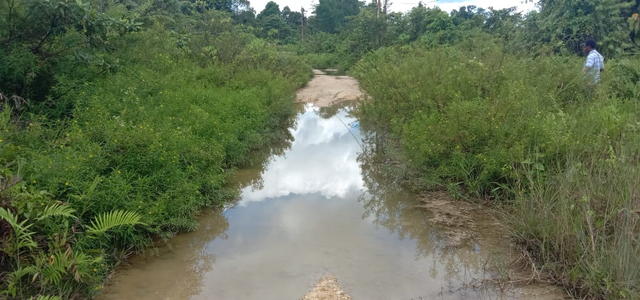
[(594, 65)]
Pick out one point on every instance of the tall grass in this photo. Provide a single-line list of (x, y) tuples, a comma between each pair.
[(581, 224), (530, 134), (152, 142)]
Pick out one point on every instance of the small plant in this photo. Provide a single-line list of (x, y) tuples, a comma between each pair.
[(52, 264)]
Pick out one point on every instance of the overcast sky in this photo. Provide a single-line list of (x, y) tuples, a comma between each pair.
[(404, 5)]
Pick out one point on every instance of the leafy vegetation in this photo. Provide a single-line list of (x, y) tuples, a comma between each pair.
[(479, 114), (555, 27), (119, 122), (561, 157)]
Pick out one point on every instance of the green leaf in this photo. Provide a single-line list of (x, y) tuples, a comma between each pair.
[(103, 222), (13, 279), (23, 236), (9, 217), (57, 210)]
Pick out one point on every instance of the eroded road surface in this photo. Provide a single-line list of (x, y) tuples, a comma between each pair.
[(315, 207), (324, 90)]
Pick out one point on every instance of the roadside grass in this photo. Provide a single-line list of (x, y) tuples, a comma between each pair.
[(129, 157), (531, 135), (581, 224)]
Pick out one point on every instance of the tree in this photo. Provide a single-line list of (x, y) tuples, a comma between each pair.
[(292, 18), (247, 17), (235, 6), (423, 20), (366, 32), (331, 14), (273, 27), (469, 15), (35, 35), (567, 23), (271, 9)]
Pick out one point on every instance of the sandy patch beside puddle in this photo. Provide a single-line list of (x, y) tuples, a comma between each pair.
[(324, 90), (461, 221), (327, 288)]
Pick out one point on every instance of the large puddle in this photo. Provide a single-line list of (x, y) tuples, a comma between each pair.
[(315, 209)]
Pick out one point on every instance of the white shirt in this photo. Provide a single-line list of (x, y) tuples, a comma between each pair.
[(595, 63)]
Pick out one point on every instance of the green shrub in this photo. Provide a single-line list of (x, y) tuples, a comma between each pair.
[(581, 223), (525, 131), (152, 142)]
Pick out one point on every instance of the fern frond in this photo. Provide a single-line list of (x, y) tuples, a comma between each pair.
[(17, 274), (57, 210), (23, 236), (9, 217), (82, 261), (52, 274), (12, 280), (105, 221), (53, 267)]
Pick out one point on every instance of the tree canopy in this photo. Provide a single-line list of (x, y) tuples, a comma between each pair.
[(331, 14)]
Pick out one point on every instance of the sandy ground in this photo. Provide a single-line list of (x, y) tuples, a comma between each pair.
[(325, 90), (464, 222), (327, 288), (461, 221)]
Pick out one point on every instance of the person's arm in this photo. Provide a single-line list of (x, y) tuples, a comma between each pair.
[(588, 64)]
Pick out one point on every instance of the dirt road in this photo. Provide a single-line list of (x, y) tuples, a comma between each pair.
[(324, 90)]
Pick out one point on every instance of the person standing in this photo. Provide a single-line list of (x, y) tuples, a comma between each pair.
[(594, 65)]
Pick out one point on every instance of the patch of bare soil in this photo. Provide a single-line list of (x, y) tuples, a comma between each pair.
[(463, 222), (324, 90), (459, 220), (327, 288)]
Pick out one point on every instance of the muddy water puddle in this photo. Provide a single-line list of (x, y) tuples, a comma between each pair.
[(317, 209)]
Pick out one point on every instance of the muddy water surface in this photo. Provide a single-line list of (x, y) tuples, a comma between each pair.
[(316, 209)]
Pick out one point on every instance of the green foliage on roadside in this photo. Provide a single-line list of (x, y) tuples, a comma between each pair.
[(62, 266), (120, 120), (531, 133), (99, 159), (555, 27), (580, 223)]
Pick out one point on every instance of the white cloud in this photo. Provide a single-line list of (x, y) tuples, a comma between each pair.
[(322, 160)]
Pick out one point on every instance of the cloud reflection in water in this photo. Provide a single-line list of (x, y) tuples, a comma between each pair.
[(322, 159)]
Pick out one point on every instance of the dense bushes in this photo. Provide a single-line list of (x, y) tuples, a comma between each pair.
[(132, 154), (526, 131)]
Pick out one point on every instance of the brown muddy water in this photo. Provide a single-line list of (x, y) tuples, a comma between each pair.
[(317, 208)]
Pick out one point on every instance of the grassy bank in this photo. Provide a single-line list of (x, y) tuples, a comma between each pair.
[(130, 156), (560, 155)]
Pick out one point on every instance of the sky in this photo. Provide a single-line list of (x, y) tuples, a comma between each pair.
[(405, 5)]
